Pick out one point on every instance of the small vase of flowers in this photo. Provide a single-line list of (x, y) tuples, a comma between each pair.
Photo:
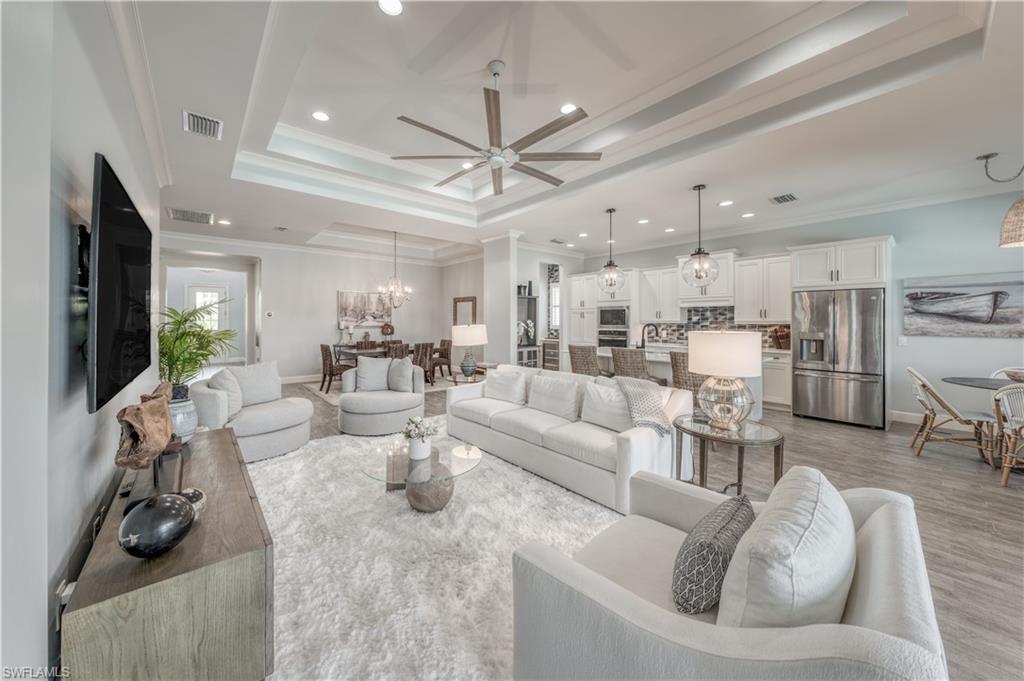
[(418, 432)]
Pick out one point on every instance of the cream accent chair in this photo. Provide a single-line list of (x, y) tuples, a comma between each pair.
[(378, 412), (607, 613)]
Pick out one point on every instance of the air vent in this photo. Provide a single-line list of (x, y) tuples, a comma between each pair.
[(784, 198), (196, 216), (558, 241), (202, 125)]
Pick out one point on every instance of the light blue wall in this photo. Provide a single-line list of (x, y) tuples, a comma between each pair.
[(960, 237)]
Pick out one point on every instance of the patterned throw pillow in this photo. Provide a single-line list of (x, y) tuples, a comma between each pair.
[(705, 554)]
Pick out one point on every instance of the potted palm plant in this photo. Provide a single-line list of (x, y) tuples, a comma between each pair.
[(187, 344)]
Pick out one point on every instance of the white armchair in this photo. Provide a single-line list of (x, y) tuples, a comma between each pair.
[(378, 412)]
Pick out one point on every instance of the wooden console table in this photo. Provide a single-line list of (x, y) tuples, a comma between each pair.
[(204, 610)]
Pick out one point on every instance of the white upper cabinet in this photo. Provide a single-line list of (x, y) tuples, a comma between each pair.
[(719, 292), (762, 290), (584, 291), (659, 295), (859, 263), (668, 294)]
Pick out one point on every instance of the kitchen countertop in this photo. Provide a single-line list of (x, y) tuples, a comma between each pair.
[(658, 352)]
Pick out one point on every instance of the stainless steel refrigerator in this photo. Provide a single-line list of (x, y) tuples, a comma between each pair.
[(838, 345)]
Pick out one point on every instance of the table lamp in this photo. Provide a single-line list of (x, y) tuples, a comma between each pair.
[(469, 336), (726, 357)]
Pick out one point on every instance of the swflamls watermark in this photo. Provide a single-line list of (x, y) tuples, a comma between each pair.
[(34, 672)]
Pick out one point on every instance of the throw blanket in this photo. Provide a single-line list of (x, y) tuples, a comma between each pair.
[(644, 401)]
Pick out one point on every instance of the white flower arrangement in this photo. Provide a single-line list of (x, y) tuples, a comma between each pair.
[(417, 429), (526, 328)]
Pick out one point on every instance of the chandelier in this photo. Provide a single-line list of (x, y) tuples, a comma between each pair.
[(1012, 231), (394, 293), (700, 269), (611, 278)]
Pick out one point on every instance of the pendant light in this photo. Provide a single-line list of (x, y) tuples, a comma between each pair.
[(611, 278), (394, 293), (700, 269), (1012, 232)]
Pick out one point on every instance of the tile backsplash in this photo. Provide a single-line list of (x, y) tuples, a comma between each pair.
[(706, 319)]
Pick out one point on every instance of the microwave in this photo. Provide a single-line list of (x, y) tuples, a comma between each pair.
[(613, 317)]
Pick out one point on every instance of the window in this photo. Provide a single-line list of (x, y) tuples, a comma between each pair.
[(554, 306), (211, 320)]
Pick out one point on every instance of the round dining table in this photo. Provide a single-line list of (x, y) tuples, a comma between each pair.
[(981, 382)]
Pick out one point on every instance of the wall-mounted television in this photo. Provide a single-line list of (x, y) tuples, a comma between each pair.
[(120, 261)]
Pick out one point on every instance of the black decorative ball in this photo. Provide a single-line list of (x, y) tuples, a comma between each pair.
[(156, 526)]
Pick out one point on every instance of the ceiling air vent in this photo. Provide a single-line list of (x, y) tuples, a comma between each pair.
[(783, 198), (196, 216), (202, 125), (558, 242)]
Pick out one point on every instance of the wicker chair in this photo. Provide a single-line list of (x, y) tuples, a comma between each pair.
[(938, 412), (682, 377), (1009, 408), (366, 345), (423, 357), (1009, 372), (443, 358), (584, 360), (632, 363), (329, 368), (397, 350)]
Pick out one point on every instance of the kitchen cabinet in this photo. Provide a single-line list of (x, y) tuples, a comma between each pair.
[(659, 295), (528, 356), (762, 289), (583, 326), (584, 292), (858, 263), (777, 380), (718, 292)]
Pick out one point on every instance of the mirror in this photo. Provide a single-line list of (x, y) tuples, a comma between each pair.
[(464, 310)]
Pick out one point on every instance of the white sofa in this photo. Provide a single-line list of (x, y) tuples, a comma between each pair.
[(588, 459), (265, 423), (378, 411), (608, 612)]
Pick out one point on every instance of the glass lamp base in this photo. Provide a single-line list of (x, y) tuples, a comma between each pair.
[(726, 402)]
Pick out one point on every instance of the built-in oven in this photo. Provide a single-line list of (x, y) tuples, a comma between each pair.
[(613, 338), (613, 317)]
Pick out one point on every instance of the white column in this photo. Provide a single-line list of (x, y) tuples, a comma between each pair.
[(500, 271)]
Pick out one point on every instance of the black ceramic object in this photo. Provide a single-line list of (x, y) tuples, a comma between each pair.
[(155, 527), (197, 497)]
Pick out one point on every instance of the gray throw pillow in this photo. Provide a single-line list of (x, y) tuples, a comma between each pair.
[(400, 375), (259, 382), (705, 554), (372, 374), (226, 381)]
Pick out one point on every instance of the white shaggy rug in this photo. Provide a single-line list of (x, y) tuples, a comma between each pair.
[(365, 587)]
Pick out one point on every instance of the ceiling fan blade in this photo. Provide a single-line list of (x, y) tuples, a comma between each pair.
[(496, 181), (460, 174), (539, 174), (492, 103), (560, 156), (453, 138), (409, 158), (548, 130)]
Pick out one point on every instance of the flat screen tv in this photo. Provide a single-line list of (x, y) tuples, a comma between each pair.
[(120, 260)]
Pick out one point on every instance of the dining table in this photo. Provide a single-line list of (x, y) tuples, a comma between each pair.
[(351, 352), (980, 382)]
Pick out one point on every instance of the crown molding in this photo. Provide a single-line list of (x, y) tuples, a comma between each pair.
[(124, 17), (512, 234), (461, 259), (540, 248)]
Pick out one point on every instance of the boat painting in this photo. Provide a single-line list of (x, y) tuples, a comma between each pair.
[(983, 305)]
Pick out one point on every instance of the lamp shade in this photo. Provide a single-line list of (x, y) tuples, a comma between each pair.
[(734, 354), (1012, 232), (466, 335)]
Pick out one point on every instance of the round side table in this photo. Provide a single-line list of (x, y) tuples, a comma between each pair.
[(750, 434)]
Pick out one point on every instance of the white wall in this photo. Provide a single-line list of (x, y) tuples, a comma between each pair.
[(500, 272), (532, 266), (180, 278), (299, 289)]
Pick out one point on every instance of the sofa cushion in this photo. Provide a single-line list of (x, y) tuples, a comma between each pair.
[(526, 423), (638, 554), (705, 555), (259, 382), (400, 375), (556, 396), (507, 386), (372, 373), (527, 372), (378, 401), (226, 382), (481, 409), (605, 406), (794, 565), (267, 417), (584, 442)]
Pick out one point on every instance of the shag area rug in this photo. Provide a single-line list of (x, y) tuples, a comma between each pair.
[(367, 588)]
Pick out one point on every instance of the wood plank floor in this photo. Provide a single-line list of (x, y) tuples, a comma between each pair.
[(972, 529)]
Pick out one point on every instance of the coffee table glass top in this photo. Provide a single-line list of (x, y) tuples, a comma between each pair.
[(751, 433), (391, 464)]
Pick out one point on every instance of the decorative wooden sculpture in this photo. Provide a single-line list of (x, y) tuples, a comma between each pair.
[(146, 429)]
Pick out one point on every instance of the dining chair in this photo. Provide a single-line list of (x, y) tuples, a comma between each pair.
[(1009, 407), (423, 356), (632, 362), (443, 358), (938, 412), (583, 359), (682, 377), (329, 367), (1012, 373), (397, 350)]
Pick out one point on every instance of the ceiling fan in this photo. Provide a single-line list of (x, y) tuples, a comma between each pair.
[(499, 156)]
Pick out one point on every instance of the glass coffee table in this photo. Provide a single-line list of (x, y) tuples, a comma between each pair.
[(750, 434), (428, 483)]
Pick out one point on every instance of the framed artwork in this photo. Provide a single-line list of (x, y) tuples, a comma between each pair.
[(979, 305), (360, 308)]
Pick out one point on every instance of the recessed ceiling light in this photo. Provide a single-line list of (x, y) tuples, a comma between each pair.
[(570, 245), (223, 222), (611, 241), (583, 235), (467, 165), (321, 116), (642, 222), (568, 108), (747, 215), (390, 7), (725, 203), (670, 229)]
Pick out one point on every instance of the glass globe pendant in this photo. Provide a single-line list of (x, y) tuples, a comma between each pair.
[(700, 269), (611, 277), (394, 293)]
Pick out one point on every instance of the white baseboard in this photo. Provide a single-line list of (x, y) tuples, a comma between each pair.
[(310, 378), (915, 418)]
